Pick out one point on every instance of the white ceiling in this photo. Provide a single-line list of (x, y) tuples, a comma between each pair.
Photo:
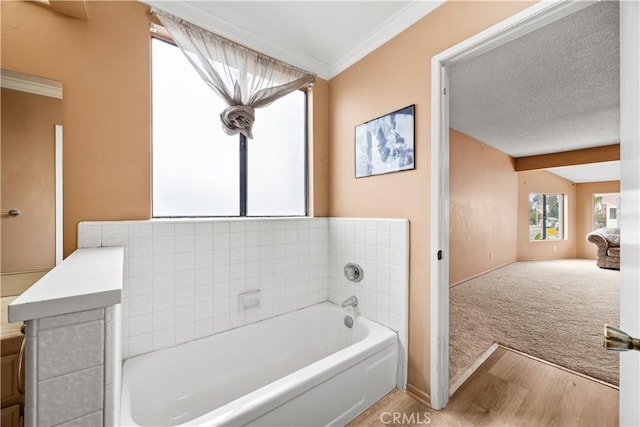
[(554, 89), (592, 172), (324, 37)]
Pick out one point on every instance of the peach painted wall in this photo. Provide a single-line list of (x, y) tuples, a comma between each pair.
[(104, 66), (393, 76), (483, 208), (585, 194), (546, 182), (28, 180), (319, 148)]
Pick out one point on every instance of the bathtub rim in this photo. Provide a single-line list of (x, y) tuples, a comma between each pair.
[(278, 392)]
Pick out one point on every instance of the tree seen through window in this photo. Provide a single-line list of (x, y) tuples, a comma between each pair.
[(546, 216)]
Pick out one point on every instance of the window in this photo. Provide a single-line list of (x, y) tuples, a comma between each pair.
[(546, 216), (198, 169), (606, 210)]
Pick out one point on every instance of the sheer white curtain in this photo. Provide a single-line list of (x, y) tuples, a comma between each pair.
[(244, 78)]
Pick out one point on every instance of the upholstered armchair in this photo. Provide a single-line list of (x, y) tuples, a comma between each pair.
[(608, 242)]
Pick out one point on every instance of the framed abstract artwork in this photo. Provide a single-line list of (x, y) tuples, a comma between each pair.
[(386, 144)]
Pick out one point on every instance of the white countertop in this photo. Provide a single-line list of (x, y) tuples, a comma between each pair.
[(87, 279)]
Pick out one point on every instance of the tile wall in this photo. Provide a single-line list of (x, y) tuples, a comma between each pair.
[(74, 377), (381, 248), (112, 365), (183, 277)]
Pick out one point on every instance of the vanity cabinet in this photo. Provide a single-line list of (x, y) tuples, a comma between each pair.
[(11, 416), (12, 399)]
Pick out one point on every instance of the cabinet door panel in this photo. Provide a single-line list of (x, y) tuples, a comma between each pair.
[(10, 378), (10, 416)]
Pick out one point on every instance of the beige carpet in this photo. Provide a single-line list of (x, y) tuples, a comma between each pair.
[(554, 310)]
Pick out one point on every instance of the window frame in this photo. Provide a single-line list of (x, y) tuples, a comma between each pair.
[(243, 148), (562, 205), (606, 210)]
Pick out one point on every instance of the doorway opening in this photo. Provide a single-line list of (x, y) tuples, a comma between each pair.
[(529, 20)]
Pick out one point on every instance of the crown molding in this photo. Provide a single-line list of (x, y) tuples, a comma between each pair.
[(31, 84), (204, 19), (384, 32), (394, 25)]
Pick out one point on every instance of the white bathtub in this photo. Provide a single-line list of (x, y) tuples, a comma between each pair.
[(303, 368)]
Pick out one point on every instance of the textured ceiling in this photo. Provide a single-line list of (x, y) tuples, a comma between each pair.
[(324, 37), (554, 89)]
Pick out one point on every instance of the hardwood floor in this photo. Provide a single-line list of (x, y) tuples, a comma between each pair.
[(508, 389)]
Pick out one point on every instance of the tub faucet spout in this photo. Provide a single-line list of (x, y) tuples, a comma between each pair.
[(352, 300)]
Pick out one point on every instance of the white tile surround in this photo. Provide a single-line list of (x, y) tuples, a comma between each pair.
[(182, 277), (72, 376), (72, 341), (381, 248)]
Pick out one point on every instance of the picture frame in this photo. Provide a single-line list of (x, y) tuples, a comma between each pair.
[(386, 144)]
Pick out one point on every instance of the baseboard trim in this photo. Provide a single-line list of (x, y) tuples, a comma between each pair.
[(482, 273), (464, 376), (571, 371), (418, 394)]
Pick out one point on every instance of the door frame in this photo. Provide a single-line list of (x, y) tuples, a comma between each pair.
[(530, 19), (59, 200), (52, 88), (630, 220)]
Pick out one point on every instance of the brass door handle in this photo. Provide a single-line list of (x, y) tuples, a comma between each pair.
[(12, 212), (617, 340)]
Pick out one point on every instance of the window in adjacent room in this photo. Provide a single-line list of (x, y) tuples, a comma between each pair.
[(606, 210), (197, 167), (546, 216)]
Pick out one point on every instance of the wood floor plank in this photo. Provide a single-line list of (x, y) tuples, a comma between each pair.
[(487, 399), (508, 389)]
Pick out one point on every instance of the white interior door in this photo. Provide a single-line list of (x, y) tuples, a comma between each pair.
[(630, 221)]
